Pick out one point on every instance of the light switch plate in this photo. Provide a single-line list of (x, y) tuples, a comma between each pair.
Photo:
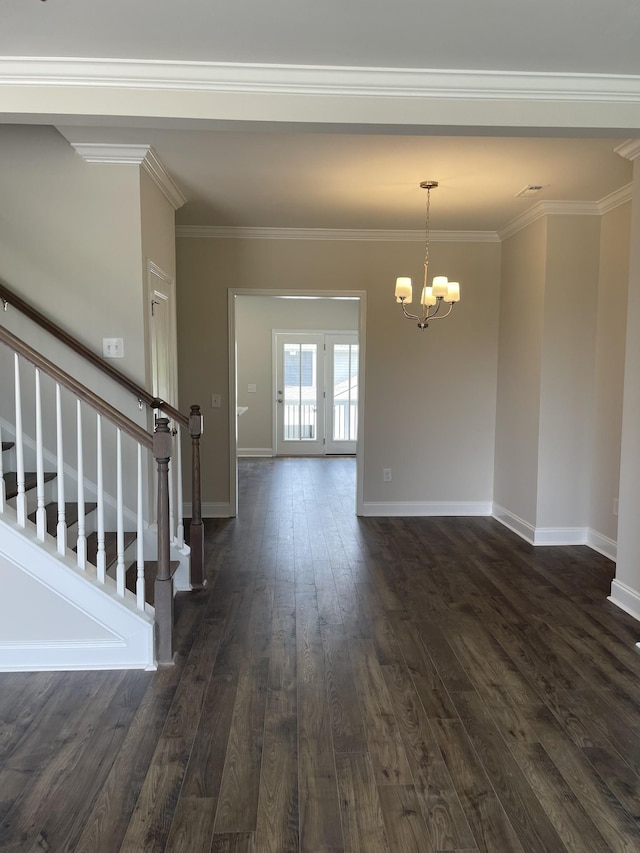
[(251, 388), (113, 348)]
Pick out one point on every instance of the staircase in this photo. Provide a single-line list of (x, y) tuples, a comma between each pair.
[(92, 544)]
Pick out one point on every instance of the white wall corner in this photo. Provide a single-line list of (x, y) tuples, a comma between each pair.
[(625, 598)]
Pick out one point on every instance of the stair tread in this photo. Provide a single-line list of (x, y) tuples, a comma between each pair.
[(110, 546), (7, 445), (70, 514), (30, 481), (150, 572)]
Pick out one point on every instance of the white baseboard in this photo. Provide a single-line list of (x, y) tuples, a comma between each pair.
[(603, 545), (518, 525), (561, 536), (425, 508), (211, 509), (255, 451), (625, 598), (556, 535)]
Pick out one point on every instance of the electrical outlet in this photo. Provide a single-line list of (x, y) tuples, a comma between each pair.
[(215, 401), (386, 475), (251, 388)]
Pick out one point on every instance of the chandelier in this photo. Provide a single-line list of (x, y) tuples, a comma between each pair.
[(432, 296)]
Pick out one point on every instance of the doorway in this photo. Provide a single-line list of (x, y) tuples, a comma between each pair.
[(336, 425)]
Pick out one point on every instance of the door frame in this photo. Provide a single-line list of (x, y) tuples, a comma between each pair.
[(232, 292)]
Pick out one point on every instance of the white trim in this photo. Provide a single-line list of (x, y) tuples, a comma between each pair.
[(615, 199), (141, 155), (602, 544), (518, 525), (212, 509), (219, 232), (261, 78), (630, 149), (625, 598), (262, 452), (425, 508), (550, 207), (561, 536)]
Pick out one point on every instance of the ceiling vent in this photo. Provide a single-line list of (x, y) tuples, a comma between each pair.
[(530, 189)]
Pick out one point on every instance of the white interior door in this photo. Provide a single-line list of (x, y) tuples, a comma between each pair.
[(299, 394), (342, 356), (162, 335)]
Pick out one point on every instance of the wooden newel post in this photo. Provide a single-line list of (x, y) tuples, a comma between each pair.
[(196, 529), (163, 603)]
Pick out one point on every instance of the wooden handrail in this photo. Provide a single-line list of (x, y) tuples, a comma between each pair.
[(10, 298), (81, 391)]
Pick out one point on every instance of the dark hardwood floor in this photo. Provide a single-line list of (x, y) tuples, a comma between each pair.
[(346, 684)]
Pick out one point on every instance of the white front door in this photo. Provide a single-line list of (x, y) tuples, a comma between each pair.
[(299, 394)]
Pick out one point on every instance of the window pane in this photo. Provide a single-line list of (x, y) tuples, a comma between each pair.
[(300, 392)]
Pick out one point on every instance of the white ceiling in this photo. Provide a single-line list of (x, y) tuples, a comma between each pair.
[(319, 176), (545, 35)]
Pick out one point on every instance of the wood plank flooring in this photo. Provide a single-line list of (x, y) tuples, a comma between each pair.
[(342, 685)]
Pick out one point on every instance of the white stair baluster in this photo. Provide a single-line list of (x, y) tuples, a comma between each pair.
[(81, 544), (21, 499), (2, 486), (140, 591), (120, 568), (62, 523), (41, 513), (179, 504), (101, 561)]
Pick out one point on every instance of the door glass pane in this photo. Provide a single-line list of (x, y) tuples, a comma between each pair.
[(300, 392), (345, 392)]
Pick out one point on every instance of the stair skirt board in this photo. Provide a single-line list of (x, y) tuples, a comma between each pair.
[(58, 617)]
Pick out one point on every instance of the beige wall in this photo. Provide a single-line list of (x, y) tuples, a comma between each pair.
[(430, 396), (609, 369), (70, 244), (256, 318), (519, 371), (566, 383), (70, 239)]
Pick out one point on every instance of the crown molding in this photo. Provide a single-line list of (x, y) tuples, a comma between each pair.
[(139, 155), (218, 232), (629, 149), (256, 78), (615, 199), (566, 208)]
